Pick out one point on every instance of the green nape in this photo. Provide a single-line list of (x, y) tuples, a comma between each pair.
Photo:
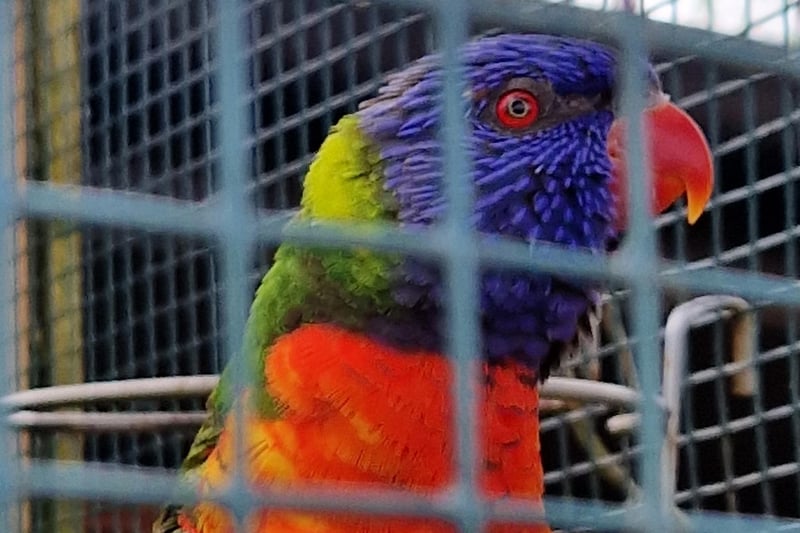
[(305, 284)]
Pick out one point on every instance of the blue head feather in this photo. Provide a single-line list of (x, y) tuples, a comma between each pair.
[(547, 184)]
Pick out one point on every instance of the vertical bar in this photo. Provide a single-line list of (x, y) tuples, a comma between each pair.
[(751, 162), (276, 55), (710, 6), (326, 71), (692, 460), (8, 213), (463, 342), (751, 173), (720, 396), (787, 42), (563, 457), (237, 221), (20, 344), (297, 43), (640, 254), (789, 144)]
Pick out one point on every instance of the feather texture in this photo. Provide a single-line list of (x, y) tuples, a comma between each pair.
[(357, 411)]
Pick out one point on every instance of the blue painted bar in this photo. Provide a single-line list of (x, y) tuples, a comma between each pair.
[(157, 214), (9, 460), (236, 217), (640, 252), (561, 18), (461, 268)]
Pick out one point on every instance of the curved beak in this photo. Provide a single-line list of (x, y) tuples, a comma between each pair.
[(680, 160)]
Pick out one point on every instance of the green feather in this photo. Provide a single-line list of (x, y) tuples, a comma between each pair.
[(313, 285)]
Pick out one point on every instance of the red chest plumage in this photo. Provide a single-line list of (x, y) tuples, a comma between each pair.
[(358, 411)]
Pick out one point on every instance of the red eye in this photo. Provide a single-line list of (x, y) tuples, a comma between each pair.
[(517, 108)]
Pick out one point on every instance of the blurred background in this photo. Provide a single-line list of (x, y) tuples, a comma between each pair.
[(120, 94)]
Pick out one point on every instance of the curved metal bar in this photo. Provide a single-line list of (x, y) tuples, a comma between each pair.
[(699, 311), (555, 388), (127, 389), (742, 354), (589, 391)]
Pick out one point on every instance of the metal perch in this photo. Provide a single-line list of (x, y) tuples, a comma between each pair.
[(555, 389), (105, 422), (695, 313), (105, 391)]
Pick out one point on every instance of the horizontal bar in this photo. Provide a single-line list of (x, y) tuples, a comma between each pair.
[(728, 369), (164, 215), (589, 391), (153, 213), (763, 185), (758, 288), (554, 390), (111, 207), (622, 459), (103, 391), (711, 522), (526, 15), (556, 387), (626, 422), (160, 420), (737, 424), (103, 483), (106, 422), (572, 513), (744, 251), (739, 482), (136, 485), (762, 131), (719, 90)]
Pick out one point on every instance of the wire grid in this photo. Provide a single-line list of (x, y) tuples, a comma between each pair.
[(157, 79)]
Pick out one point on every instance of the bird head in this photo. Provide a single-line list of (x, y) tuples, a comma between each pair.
[(547, 160), (548, 155)]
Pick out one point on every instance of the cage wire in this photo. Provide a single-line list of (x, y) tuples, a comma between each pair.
[(127, 217)]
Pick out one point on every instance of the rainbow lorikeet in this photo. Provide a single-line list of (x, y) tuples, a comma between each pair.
[(351, 385)]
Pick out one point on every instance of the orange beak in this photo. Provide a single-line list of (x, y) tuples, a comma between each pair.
[(680, 161)]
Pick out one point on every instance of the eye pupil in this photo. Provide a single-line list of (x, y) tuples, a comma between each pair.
[(517, 109)]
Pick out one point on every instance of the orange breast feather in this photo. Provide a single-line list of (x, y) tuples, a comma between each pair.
[(360, 412)]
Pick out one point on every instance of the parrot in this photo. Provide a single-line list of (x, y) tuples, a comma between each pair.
[(347, 347)]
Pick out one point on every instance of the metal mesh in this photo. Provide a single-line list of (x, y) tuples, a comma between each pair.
[(139, 100)]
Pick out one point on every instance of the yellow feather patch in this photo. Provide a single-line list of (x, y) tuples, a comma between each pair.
[(344, 180)]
